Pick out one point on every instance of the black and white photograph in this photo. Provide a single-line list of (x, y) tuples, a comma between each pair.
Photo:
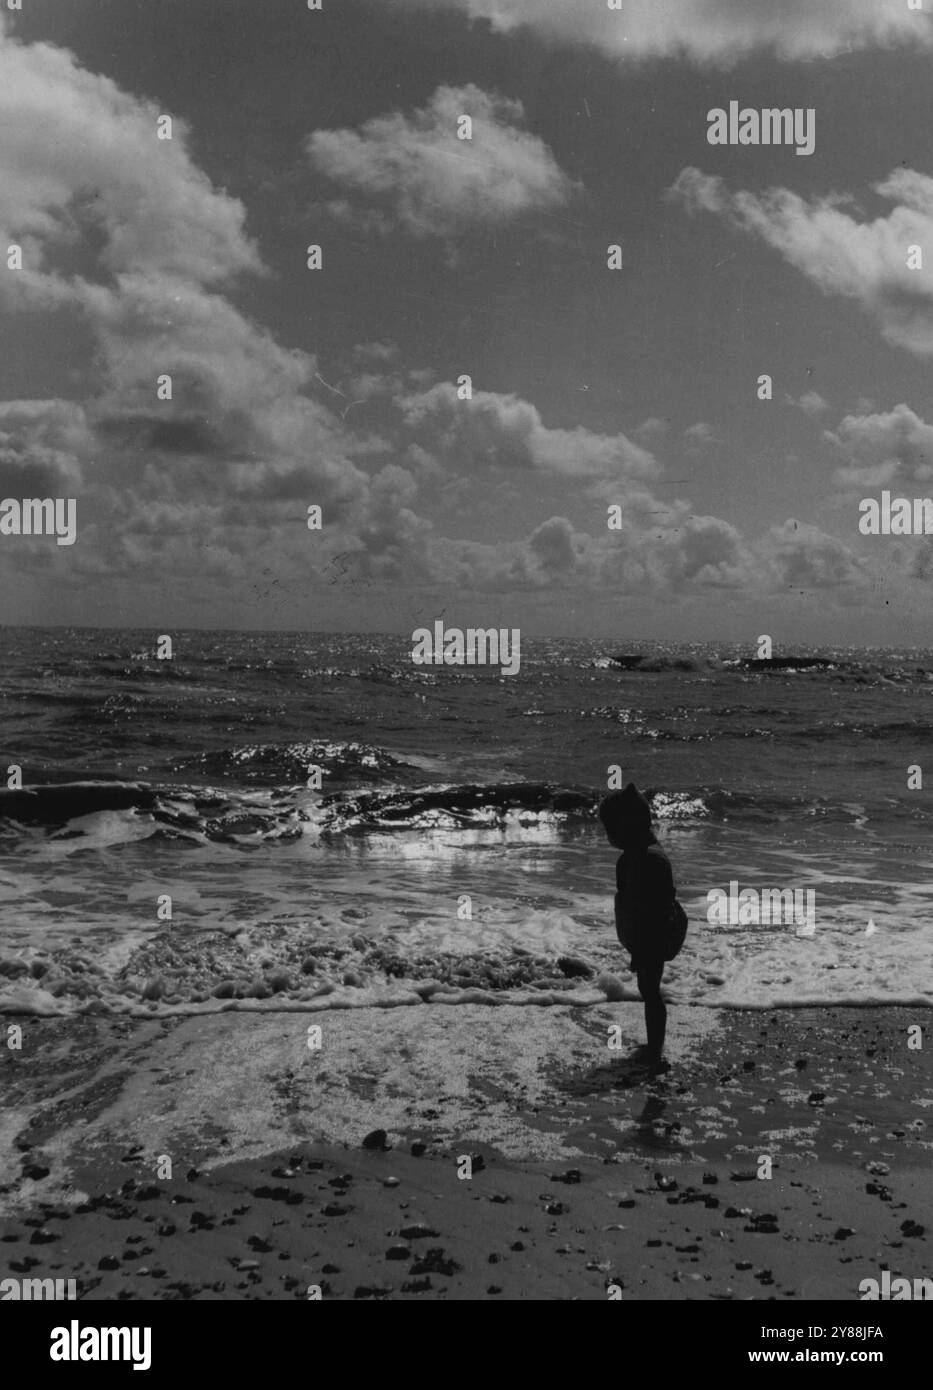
[(466, 663)]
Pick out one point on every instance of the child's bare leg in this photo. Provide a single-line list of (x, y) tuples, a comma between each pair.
[(649, 987)]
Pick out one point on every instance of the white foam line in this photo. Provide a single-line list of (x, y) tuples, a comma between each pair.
[(571, 1000)]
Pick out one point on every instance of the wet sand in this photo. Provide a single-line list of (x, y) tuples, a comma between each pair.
[(587, 1175)]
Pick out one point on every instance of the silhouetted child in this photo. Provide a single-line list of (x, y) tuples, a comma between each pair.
[(650, 923)]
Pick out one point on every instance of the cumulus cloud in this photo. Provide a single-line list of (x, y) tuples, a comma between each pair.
[(422, 177), (660, 548), (798, 555), (708, 551), (651, 430), (812, 404), (244, 444), (703, 555), (41, 443), (867, 261), (209, 490), (892, 448), (556, 555), (504, 432), (79, 154), (699, 437), (707, 31)]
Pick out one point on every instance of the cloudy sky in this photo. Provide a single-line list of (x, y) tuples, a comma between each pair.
[(444, 258)]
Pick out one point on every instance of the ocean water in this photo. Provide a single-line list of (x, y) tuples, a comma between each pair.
[(453, 853)]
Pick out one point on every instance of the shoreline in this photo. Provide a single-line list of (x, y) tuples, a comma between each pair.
[(242, 1106)]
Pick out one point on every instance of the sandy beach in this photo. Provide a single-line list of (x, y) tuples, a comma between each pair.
[(589, 1179), (466, 502)]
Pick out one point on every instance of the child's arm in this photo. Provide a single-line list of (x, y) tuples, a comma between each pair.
[(617, 903), (659, 891)]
